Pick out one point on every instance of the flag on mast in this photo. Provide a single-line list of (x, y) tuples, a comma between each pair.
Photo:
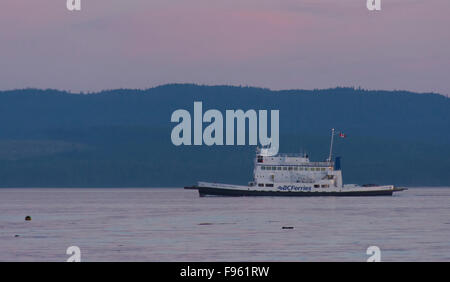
[(342, 134)]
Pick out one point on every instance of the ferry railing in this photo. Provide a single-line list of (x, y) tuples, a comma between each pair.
[(306, 164)]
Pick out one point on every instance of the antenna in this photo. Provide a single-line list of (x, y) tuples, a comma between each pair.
[(331, 145)]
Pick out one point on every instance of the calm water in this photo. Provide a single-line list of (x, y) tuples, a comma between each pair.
[(177, 225)]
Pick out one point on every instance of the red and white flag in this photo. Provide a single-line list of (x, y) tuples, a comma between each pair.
[(341, 134)]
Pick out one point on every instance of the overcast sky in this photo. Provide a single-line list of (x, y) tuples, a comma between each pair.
[(280, 44)]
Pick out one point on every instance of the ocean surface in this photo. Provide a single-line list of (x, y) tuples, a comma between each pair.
[(173, 224)]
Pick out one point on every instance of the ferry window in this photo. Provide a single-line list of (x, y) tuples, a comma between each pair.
[(284, 168), (260, 159), (306, 169), (295, 167), (263, 168), (269, 185), (325, 186), (290, 168), (316, 185), (300, 168), (279, 168), (322, 169), (260, 185)]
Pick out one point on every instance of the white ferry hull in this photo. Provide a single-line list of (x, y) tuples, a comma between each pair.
[(240, 191)]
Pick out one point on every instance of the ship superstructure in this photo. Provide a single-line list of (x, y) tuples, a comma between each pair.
[(294, 175)]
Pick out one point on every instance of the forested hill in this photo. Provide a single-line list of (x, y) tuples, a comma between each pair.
[(121, 138)]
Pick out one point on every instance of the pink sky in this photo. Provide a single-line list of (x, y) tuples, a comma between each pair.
[(280, 44)]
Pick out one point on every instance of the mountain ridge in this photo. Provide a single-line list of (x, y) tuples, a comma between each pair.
[(170, 85), (121, 137)]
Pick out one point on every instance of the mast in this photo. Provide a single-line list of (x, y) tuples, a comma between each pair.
[(331, 145)]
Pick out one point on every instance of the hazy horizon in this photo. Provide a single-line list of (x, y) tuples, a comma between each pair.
[(217, 85)]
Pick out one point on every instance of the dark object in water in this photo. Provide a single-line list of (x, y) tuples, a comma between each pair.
[(287, 227), (28, 218), (15, 236), (190, 187)]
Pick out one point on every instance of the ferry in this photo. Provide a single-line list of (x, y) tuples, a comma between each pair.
[(294, 175)]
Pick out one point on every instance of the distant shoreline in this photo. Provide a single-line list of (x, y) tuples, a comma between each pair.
[(195, 85)]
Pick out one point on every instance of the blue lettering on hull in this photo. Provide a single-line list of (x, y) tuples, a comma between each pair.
[(293, 188)]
